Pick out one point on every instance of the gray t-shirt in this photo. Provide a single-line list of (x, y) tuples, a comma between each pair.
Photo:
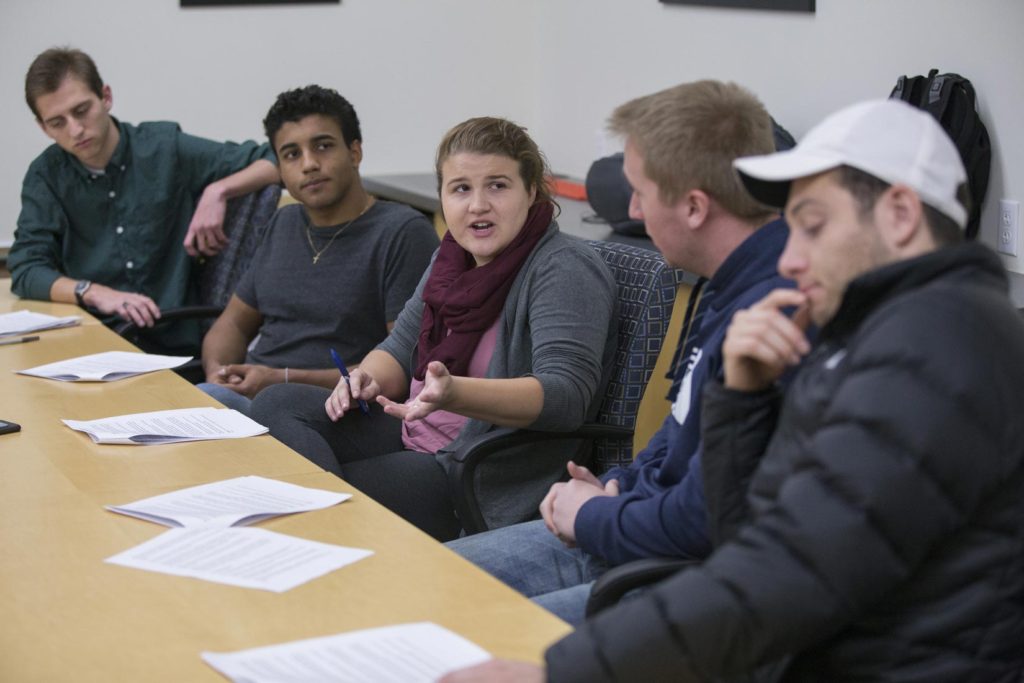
[(359, 284)]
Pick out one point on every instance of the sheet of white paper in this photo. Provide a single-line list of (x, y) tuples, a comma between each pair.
[(105, 367), (169, 426), (407, 653), (20, 322), (239, 556), (242, 500)]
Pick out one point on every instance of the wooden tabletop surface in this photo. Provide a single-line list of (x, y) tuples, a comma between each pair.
[(67, 615)]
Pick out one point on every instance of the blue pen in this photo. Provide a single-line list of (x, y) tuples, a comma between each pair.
[(348, 380)]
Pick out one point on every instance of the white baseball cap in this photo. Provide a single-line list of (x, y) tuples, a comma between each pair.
[(888, 139)]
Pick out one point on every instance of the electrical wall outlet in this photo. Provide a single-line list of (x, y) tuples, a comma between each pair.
[(1009, 227)]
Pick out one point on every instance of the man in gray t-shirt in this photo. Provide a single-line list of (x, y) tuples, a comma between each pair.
[(334, 270)]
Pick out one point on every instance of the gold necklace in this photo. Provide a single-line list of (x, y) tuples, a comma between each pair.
[(309, 234)]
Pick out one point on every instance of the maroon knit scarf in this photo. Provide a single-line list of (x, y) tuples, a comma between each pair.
[(466, 300)]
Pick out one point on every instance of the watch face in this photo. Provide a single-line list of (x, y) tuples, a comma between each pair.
[(80, 289)]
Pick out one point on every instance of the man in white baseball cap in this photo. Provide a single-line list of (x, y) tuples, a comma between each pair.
[(872, 525), (889, 158)]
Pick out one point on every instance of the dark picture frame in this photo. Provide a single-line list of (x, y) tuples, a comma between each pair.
[(230, 3), (782, 5)]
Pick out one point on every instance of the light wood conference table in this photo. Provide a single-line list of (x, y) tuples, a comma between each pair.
[(68, 615)]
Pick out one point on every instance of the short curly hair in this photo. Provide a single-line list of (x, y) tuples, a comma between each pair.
[(297, 104)]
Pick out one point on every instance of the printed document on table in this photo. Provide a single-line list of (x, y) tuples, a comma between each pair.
[(239, 556), (169, 426), (242, 500), (21, 322), (408, 653), (105, 367)]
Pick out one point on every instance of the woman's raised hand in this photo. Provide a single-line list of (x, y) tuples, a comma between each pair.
[(436, 394)]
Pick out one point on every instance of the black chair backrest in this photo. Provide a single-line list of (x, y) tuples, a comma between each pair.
[(245, 223), (647, 291)]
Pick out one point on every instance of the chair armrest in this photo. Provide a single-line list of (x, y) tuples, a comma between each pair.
[(193, 369), (618, 581), (170, 315), (461, 474)]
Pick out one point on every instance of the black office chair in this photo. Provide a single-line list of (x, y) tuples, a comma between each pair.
[(646, 293), (617, 581), (246, 222)]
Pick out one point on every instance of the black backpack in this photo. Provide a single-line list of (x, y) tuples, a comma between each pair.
[(950, 99)]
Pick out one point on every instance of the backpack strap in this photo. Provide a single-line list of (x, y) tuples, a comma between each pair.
[(899, 92), (951, 100)]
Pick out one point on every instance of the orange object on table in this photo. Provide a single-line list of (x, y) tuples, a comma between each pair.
[(564, 186)]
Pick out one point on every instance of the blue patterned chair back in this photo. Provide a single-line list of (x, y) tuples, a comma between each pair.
[(647, 291), (245, 223)]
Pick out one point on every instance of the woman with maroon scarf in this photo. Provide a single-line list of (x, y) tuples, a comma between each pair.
[(513, 325)]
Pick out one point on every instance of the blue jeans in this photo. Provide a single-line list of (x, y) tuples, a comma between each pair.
[(530, 559), (230, 399)]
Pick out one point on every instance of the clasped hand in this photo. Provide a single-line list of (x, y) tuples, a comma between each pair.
[(563, 502), (245, 379)]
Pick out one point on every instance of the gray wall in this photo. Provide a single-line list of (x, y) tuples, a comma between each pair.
[(414, 67)]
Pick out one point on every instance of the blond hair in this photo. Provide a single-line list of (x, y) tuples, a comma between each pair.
[(689, 135)]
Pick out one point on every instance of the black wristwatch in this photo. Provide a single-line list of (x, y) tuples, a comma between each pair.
[(81, 287)]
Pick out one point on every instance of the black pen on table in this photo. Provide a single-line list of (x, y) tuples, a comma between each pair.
[(22, 340), (348, 380)]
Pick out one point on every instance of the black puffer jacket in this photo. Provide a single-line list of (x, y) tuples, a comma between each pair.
[(883, 535)]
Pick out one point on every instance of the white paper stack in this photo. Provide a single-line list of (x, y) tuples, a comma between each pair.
[(210, 547), (407, 653), (242, 500), (21, 322), (169, 426), (239, 556), (105, 367)]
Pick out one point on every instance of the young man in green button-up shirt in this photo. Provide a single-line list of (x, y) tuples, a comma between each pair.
[(112, 213)]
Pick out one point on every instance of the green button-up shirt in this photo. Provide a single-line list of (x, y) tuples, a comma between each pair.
[(124, 227)]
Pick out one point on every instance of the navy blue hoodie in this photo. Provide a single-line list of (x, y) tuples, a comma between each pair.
[(660, 510)]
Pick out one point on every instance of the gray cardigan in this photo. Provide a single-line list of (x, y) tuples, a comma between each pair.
[(559, 325)]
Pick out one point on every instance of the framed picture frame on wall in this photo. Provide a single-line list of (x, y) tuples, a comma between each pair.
[(231, 3), (782, 5)]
